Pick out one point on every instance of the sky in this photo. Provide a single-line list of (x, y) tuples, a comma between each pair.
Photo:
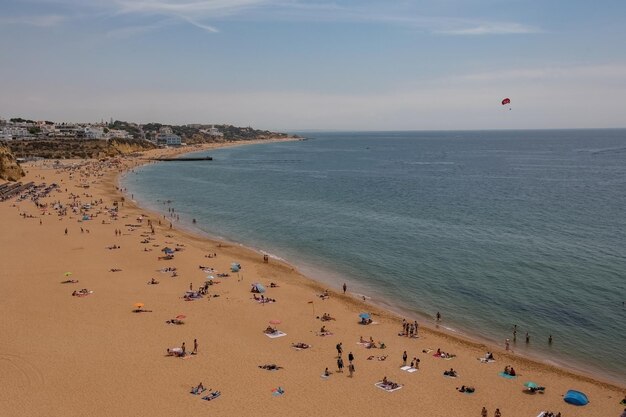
[(329, 65)]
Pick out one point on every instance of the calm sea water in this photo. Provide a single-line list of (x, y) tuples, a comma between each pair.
[(490, 228)]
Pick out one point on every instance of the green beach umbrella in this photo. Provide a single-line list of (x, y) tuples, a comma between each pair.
[(530, 384)]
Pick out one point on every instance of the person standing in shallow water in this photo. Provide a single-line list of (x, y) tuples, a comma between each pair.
[(345, 287), (438, 316)]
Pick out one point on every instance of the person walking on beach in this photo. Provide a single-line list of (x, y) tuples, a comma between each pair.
[(345, 287), (351, 370), (66, 231), (484, 412), (404, 356), (497, 413), (506, 344), (350, 357), (183, 348), (340, 364), (339, 349), (195, 346)]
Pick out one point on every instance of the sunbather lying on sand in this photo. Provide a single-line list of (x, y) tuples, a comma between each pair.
[(271, 367), (380, 358), (175, 321), (153, 281), (300, 345), (212, 396), (386, 384), (114, 270), (69, 281), (270, 330), (451, 373), (326, 317), (468, 390), (81, 293)]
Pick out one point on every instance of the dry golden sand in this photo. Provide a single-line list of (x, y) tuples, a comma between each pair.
[(91, 356)]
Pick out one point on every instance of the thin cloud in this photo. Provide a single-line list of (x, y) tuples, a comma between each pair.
[(43, 21), (492, 29)]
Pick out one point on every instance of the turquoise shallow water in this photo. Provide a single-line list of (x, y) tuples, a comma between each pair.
[(490, 228)]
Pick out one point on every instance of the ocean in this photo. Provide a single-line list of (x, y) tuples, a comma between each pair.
[(491, 228)]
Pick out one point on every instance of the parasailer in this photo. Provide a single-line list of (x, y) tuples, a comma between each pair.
[(506, 101)]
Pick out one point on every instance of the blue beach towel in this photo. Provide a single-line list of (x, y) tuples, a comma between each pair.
[(507, 376)]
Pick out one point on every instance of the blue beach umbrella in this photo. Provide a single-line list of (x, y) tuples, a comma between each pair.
[(259, 287), (365, 316), (530, 384)]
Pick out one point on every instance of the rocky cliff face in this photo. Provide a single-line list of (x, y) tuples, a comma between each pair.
[(9, 168), (67, 149)]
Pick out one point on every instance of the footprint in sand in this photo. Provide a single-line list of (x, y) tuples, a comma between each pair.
[(18, 372)]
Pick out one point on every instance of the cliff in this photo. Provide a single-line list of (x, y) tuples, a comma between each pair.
[(74, 148), (9, 168)]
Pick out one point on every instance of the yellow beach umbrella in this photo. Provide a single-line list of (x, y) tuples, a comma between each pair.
[(67, 274)]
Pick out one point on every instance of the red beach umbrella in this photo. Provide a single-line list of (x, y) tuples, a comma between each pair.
[(181, 316), (275, 321)]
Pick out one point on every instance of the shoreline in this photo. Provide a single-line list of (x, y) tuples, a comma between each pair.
[(385, 307)]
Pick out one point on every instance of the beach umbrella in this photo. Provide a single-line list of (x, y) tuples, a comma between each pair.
[(181, 316), (67, 274), (210, 277), (139, 305), (365, 316), (167, 250), (275, 321), (530, 384), (259, 287)]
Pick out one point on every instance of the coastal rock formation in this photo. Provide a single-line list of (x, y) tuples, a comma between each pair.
[(9, 168), (66, 149)]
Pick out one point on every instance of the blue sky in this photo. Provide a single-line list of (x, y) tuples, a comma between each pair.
[(295, 64)]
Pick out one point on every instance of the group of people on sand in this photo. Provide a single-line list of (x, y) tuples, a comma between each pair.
[(81, 292), (508, 370), (181, 352), (451, 373), (497, 413), (466, 389), (300, 345), (326, 317), (415, 362), (409, 329), (370, 344), (386, 384), (444, 355), (263, 299)]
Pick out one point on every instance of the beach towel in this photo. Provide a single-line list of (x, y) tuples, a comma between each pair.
[(387, 387), (507, 376), (276, 392), (483, 360), (212, 396), (542, 414), (451, 376), (409, 369), (276, 334), (325, 334)]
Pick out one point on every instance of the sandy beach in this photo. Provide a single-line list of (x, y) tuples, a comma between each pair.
[(91, 355)]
